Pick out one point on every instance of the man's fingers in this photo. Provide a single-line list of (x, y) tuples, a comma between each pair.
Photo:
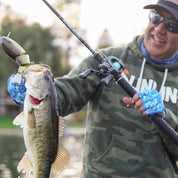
[(138, 104), (141, 109), (127, 101), (135, 98)]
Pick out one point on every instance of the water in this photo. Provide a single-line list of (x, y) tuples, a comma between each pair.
[(12, 150)]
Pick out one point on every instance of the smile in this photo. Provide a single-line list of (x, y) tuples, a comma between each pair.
[(158, 39)]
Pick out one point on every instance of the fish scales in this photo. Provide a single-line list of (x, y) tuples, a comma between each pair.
[(42, 127)]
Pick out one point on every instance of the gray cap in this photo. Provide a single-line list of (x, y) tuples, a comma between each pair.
[(168, 5)]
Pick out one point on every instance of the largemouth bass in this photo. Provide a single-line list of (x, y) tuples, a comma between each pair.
[(42, 127)]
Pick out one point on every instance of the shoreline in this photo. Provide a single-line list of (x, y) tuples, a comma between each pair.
[(11, 132), (76, 132)]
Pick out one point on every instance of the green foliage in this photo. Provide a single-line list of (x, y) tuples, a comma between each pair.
[(38, 42), (6, 123)]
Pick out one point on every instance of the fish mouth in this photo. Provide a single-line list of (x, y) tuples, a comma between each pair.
[(35, 101)]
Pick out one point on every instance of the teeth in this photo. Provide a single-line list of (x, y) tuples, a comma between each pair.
[(158, 39)]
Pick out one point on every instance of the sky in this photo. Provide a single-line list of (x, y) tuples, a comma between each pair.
[(124, 19)]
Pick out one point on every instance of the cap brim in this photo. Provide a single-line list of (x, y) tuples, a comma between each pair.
[(151, 6), (156, 6)]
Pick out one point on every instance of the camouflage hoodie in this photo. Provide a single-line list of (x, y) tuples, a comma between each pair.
[(120, 142)]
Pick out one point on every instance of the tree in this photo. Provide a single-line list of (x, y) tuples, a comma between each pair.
[(38, 42), (70, 11), (105, 39), (52, 46)]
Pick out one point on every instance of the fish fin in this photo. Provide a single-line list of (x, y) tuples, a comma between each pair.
[(61, 161), (19, 120), (31, 120), (62, 158), (62, 126), (25, 165)]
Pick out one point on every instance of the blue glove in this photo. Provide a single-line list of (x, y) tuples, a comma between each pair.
[(152, 102), (17, 90)]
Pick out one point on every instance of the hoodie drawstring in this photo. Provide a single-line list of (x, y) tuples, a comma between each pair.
[(139, 82), (141, 75)]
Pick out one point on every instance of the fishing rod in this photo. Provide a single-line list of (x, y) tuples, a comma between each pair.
[(111, 68), (103, 60), (74, 31)]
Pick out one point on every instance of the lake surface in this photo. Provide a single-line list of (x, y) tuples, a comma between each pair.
[(12, 149)]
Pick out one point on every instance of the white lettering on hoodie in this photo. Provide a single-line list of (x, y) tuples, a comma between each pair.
[(169, 94)]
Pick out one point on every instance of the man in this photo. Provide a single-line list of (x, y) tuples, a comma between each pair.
[(120, 141)]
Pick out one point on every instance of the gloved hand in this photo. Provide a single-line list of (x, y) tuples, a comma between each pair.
[(147, 102), (16, 88)]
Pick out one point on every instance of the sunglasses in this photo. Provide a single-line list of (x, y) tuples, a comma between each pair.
[(156, 19)]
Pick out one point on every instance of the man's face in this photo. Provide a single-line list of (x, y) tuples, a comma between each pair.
[(159, 42)]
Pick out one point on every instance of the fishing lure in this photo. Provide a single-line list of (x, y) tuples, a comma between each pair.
[(15, 52)]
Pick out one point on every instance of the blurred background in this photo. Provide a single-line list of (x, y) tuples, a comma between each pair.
[(44, 37)]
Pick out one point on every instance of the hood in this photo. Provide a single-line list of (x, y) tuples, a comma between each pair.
[(135, 47)]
